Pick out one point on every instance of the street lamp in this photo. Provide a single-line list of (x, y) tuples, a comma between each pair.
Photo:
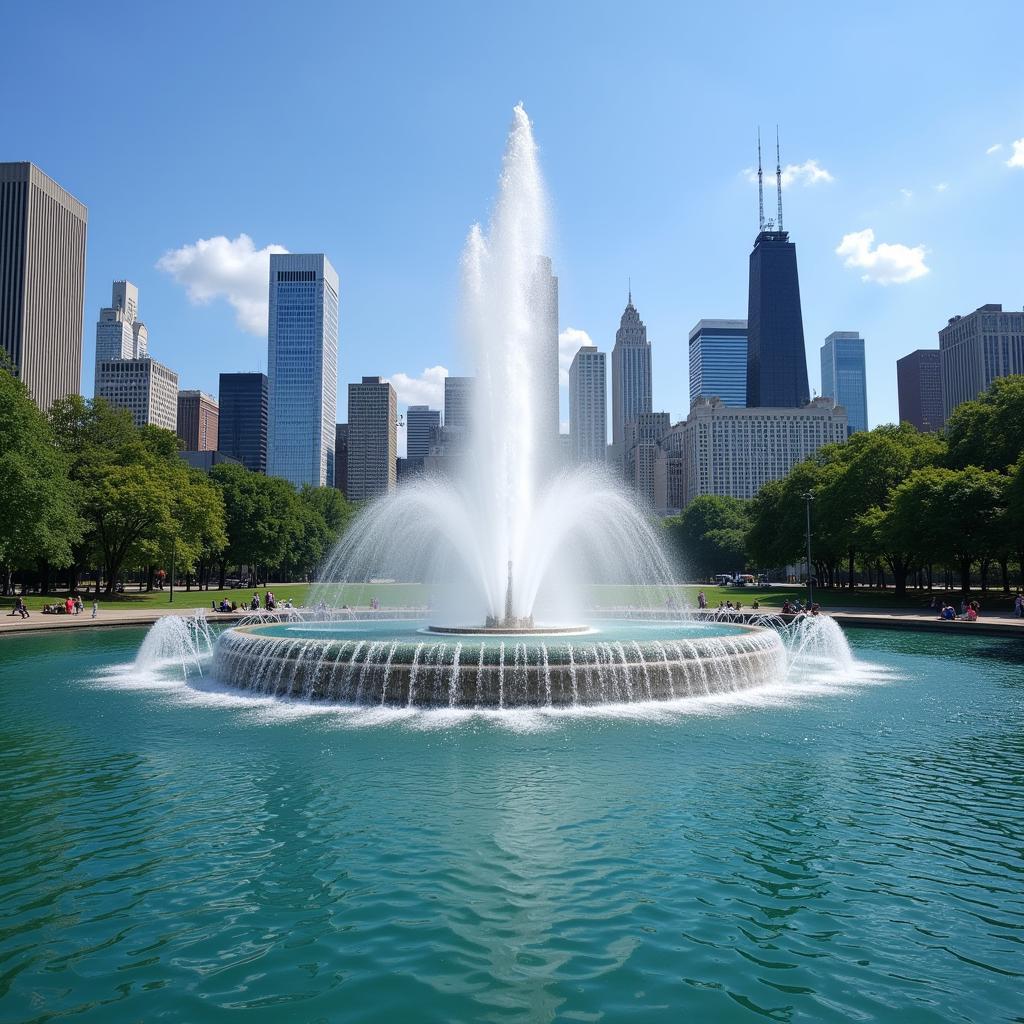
[(808, 498)]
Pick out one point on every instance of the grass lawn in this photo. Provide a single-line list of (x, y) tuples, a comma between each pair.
[(405, 595)]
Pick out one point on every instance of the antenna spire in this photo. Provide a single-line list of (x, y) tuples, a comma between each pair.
[(630, 280), (760, 184), (778, 173)]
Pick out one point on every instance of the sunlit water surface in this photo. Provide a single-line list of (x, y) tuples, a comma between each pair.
[(830, 849)]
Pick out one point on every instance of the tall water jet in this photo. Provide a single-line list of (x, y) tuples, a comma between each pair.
[(510, 503)]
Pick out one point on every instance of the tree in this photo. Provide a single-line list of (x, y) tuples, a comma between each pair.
[(956, 514), (259, 515), (710, 536), (38, 518), (989, 431)]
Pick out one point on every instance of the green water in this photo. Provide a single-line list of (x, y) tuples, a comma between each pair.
[(820, 852)]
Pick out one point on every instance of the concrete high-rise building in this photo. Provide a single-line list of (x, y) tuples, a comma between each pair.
[(120, 334), (126, 375), (546, 312), (458, 401), (302, 368), (735, 452), (631, 377), (372, 438), (844, 376), (197, 421), (776, 359), (146, 388), (242, 427), (643, 437), (718, 361), (975, 349), (42, 281), (919, 382), (341, 457), (588, 406), (420, 423)]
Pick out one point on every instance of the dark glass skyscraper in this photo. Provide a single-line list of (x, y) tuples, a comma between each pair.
[(776, 361), (243, 419)]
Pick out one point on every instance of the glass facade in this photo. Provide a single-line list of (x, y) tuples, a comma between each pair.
[(776, 360), (242, 429), (718, 361), (302, 364), (421, 422), (843, 376)]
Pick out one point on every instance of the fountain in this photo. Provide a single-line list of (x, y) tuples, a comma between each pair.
[(510, 542)]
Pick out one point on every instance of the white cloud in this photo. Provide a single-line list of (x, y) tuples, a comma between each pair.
[(810, 172), (994, 149), (570, 341), (426, 389), (884, 263), (228, 268), (907, 194), (942, 186), (1017, 159)]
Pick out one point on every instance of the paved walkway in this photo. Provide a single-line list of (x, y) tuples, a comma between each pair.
[(896, 619)]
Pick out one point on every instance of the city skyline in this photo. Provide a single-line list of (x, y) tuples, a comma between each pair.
[(929, 202)]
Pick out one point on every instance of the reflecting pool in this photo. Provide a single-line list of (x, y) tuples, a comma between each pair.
[(835, 846)]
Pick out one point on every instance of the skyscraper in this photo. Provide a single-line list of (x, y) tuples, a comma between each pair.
[(126, 375), (977, 348), (120, 334), (546, 312), (843, 376), (302, 367), (588, 406), (42, 281), (341, 457), (420, 422), (643, 437), (242, 428), (919, 380), (197, 421), (631, 376), (372, 438), (776, 360), (458, 401), (718, 361)]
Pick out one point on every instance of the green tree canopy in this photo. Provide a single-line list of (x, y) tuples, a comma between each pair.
[(710, 536), (989, 432), (38, 517)]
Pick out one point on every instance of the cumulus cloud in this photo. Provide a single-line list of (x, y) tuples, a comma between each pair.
[(570, 341), (426, 389), (884, 263), (1017, 157), (942, 186), (225, 268), (994, 149), (810, 172)]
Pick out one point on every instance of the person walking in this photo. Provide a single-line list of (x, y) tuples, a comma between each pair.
[(1018, 606), (95, 608)]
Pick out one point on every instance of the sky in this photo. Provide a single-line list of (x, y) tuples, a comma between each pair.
[(204, 136)]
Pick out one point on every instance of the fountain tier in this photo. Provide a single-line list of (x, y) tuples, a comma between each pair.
[(390, 663)]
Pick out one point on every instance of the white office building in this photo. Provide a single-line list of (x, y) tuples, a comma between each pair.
[(126, 376), (976, 349), (302, 368), (733, 452), (588, 406)]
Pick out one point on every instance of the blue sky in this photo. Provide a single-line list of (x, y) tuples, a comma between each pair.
[(374, 133)]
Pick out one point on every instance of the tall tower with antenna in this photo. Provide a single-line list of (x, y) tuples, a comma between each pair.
[(776, 359)]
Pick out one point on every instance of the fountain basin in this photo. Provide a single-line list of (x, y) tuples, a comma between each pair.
[(395, 663), (508, 630)]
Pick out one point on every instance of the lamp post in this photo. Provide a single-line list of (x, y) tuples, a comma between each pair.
[(808, 498)]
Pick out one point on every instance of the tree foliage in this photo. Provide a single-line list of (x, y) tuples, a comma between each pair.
[(710, 536)]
